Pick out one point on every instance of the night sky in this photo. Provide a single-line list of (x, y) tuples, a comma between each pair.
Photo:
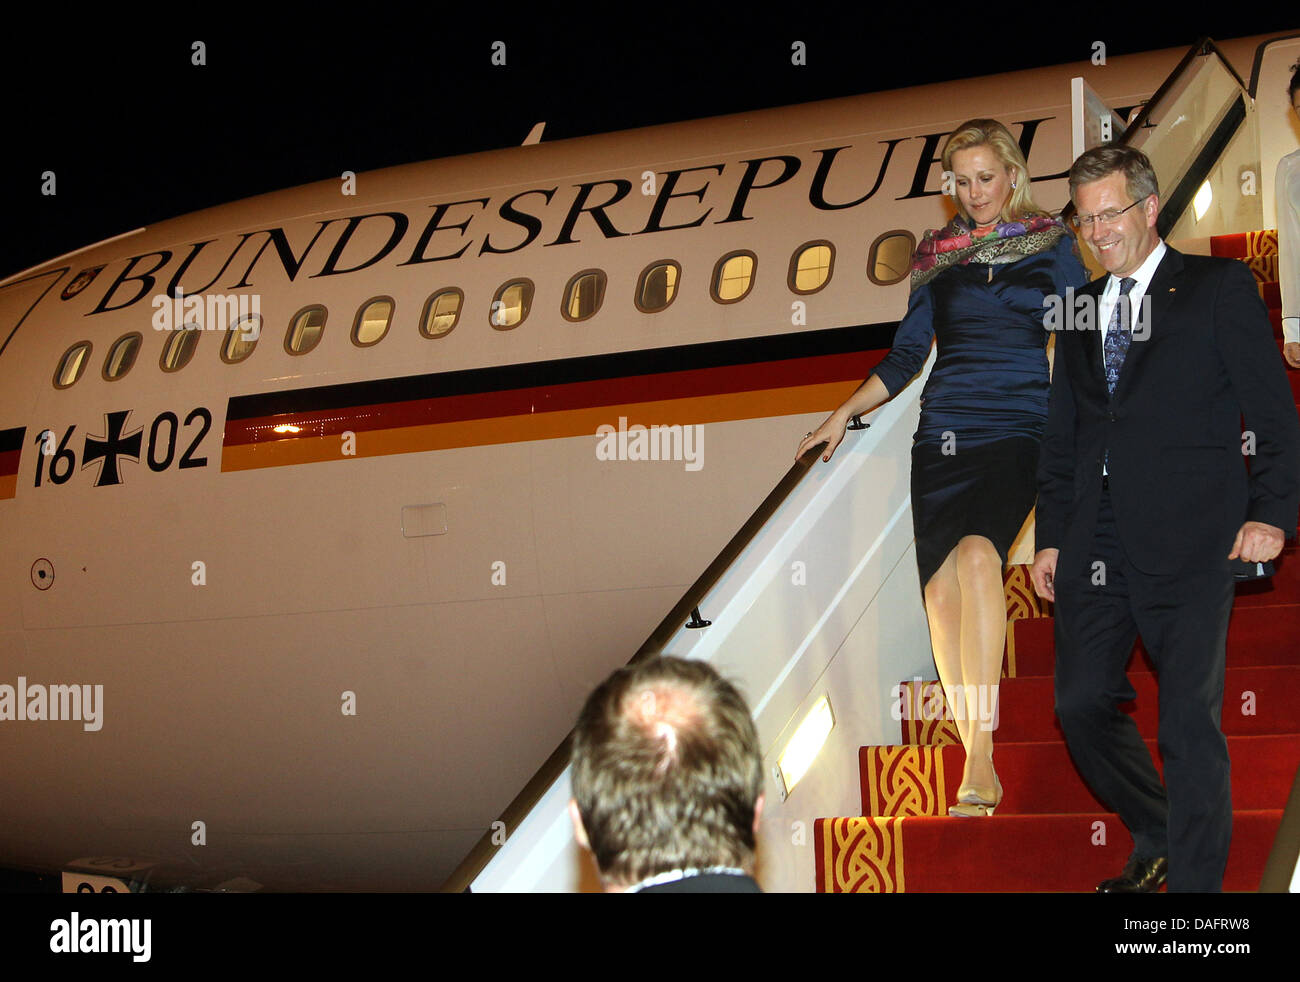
[(135, 134)]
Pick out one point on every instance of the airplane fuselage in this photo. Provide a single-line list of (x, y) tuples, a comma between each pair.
[(345, 580)]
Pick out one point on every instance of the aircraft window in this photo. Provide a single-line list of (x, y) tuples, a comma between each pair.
[(441, 312), (657, 286), (71, 364), (811, 265), (733, 276), (179, 349), (583, 295), (305, 330), (372, 321), (890, 258), (121, 357), (511, 304), (241, 339)]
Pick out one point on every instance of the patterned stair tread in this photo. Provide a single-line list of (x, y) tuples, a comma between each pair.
[(1258, 699), (1264, 269), (1250, 625), (1016, 853), (1039, 777), (1021, 599), (1244, 245)]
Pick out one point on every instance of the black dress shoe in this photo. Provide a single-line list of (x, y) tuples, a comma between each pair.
[(1139, 876)]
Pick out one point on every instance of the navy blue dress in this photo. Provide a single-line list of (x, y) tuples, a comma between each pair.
[(975, 452)]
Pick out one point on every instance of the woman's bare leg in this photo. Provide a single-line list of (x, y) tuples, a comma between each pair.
[(983, 643), (943, 608)]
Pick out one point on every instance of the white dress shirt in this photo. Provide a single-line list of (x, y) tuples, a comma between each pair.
[(1106, 306), (1286, 193), (1143, 274)]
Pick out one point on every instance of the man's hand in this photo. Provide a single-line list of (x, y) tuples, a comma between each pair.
[(1257, 543), (1043, 573), (1291, 352)]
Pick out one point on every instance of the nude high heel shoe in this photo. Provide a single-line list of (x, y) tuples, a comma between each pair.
[(977, 802)]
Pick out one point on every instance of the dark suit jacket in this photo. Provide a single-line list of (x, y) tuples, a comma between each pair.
[(1178, 480), (707, 883)]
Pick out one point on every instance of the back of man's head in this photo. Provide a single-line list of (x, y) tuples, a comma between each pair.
[(666, 771)]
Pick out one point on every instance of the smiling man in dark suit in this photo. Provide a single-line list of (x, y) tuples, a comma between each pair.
[(1144, 499)]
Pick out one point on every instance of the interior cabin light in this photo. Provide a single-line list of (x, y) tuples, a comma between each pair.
[(1201, 203), (805, 745)]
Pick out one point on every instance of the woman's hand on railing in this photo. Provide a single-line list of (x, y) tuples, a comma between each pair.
[(831, 432), (868, 396)]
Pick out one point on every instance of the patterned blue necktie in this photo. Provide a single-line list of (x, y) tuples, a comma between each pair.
[(1118, 334)]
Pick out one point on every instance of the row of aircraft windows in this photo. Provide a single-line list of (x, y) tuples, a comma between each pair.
[(811, 266)]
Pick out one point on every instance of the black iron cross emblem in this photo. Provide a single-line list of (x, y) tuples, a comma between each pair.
[(110, 447)]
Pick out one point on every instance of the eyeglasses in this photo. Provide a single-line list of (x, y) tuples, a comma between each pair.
[(1108, 217)]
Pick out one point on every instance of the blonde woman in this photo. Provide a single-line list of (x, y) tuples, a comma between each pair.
[(978, 288)]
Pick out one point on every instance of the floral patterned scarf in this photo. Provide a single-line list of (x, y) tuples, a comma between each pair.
[(1006, 242)]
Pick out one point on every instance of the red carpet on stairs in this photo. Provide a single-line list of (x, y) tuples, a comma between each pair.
[(1050, 833)]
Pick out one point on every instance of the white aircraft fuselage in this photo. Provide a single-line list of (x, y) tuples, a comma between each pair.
[(315, 618)]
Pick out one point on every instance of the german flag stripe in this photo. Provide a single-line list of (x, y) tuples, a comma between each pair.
[(549, 400), (11, 452), (307, 448), (11, 441), (592, 368)]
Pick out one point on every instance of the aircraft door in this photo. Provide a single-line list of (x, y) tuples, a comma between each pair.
[(21, 381)]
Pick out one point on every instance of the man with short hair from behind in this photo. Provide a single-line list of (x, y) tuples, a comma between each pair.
[(667, 780)]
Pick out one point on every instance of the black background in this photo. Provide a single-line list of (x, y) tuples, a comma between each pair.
[(136, 134)]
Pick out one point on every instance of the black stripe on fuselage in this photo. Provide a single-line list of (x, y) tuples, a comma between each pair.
[(588, 368), (12, 439)]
